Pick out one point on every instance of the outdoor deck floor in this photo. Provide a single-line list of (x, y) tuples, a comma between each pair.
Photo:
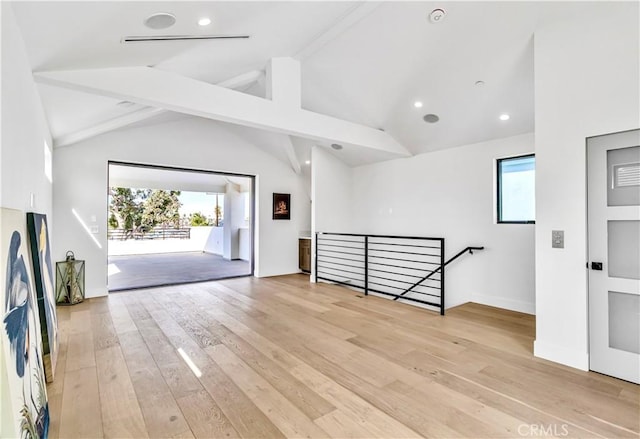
[(141, 271)]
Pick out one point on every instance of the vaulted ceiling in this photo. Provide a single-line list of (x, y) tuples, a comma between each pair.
[(364, 62)]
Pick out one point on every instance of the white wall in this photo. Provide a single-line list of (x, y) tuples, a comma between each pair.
[(586, 83), (331, 187), (214, 244), (80, 173), (451, 194), (23, 130)]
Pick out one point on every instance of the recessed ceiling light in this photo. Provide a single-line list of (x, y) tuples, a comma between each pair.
[(308, 162), (479, 83), (336, 146), (204, 21), (160, 20), (431, 118), (504, 117), (417, 104)]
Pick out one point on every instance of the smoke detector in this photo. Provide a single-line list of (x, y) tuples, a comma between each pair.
[(437, 15)]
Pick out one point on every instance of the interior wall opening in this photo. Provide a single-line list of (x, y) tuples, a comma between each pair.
[(169, 226)]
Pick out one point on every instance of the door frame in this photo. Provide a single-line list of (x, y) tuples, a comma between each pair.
[(252, 213)]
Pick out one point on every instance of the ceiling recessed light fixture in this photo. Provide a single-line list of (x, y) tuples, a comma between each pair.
[(308, 162), (431, 118), (160, 20), (417, 104), (336, 146), (204, 21), (504, 116)]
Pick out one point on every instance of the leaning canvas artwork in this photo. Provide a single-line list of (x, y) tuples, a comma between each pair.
[(20, 333), (43, 283)]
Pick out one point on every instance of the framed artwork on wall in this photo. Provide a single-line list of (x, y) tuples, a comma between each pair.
[(43, 283), (27, 411), (281, 206)]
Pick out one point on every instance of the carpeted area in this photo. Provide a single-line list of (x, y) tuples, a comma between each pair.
[(141, 271)]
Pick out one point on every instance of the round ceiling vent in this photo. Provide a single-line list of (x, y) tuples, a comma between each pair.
[(431, 118), (160, 20), (336, 146)]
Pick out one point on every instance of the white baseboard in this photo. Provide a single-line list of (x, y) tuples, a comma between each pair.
[(501, 302), (561, 354)]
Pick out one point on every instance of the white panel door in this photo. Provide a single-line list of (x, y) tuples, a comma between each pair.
[(614, 254)]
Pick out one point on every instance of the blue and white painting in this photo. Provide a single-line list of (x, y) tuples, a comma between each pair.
[(43, 282), (21, 340)]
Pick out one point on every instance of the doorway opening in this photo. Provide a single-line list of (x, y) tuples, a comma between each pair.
[(169, 226)]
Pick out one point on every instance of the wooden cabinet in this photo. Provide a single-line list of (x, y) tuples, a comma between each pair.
[(304, 254)]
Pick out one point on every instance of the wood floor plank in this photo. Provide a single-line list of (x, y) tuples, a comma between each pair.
[(161, 413), (276, 357), (286, 416), (121, 414), (309, 402), (80, 413), (205, 417), (80, 353)]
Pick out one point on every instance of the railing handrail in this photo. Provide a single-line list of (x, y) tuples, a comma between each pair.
[(460, 253), (381, 236)]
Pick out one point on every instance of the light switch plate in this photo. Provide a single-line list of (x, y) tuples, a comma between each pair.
[(557, 238)]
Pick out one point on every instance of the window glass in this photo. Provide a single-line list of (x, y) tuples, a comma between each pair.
[(516, 190)]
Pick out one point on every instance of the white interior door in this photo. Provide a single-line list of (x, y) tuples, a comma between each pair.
[(614, 254)]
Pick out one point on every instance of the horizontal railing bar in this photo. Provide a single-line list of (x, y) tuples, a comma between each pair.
[(404, 268), (341, 270), (340, 252), (402, 260), (342, 246), (403, 245), (320, 238), (394, 272), (393, 280), (426, 238), (404, 253), (343, 265), (414, 292), (399, 281), (337, 257)]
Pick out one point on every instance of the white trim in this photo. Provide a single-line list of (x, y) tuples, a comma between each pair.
[(561, 354), (501, 302)]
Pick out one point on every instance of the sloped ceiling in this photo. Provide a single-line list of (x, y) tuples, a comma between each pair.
[(363, 62)]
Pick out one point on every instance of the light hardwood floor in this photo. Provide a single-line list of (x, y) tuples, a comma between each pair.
[(279, 357)]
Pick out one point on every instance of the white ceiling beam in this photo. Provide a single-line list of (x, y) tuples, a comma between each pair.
[(106, 126), (348, 19), (287, 144), (144, 113), (242, 80), (157, 88), (284, 82)]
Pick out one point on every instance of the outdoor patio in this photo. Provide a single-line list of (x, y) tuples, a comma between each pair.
[(141, 271)]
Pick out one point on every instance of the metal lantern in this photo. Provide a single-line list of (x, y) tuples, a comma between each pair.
[(69, 280)]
